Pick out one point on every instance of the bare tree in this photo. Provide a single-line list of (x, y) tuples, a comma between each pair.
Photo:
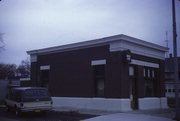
[(24, 68), (7, 71)]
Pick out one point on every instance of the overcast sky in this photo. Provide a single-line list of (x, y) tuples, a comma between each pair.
[(36, 24)]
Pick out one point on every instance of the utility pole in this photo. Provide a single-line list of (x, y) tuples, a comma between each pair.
[(177, 116), (167, 44)]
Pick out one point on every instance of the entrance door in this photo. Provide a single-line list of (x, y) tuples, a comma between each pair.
[(133, 87), (99, 78)]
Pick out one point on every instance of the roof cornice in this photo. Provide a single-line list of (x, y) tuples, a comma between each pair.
[(97, 42)]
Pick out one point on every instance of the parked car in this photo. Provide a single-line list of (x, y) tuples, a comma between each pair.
[(27, 99)]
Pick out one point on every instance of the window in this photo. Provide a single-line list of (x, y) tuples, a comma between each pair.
[(131, 71), (149, 88), (149, 72), (149, 78), (45, 75), (44, 78), (35, 93), (144, 72), (153, 74), (15, 95)]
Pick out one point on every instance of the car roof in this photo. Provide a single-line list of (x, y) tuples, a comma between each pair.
[(26, 88)]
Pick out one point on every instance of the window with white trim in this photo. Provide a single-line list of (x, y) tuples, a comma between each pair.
[(149, 81), (131, 71)]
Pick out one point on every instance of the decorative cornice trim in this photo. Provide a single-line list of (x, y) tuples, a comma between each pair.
[(99, 42)]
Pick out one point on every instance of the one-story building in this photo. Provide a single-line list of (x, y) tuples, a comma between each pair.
[(112, 73), (169, 76)]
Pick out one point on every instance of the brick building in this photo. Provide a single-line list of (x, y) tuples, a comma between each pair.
[(112, 73)]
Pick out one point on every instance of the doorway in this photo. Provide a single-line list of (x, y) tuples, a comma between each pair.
[(133, 87), (99, 80)]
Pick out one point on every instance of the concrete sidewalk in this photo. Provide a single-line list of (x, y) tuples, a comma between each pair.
[(168, 113), (135, 115), (128, 117), (158, 113)]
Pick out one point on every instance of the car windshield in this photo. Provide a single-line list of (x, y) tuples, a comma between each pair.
[(36, 93)]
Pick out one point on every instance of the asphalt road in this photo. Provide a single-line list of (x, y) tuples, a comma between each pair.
[(50, 116)]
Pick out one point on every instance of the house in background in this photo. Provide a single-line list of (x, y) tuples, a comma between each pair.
[(169, 77), (112, 73)]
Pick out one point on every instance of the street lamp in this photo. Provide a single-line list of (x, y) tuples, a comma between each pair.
[(177, 116)]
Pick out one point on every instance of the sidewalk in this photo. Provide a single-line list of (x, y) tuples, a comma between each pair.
[(167, 113), (136, 115), (128, 117), (158, 113)]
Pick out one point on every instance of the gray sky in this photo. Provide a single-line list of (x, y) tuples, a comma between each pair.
[(35, 24)]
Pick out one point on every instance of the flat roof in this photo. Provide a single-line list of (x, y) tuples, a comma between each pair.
[(97, 42)]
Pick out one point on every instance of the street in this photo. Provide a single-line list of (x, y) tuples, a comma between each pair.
[(50, 116)]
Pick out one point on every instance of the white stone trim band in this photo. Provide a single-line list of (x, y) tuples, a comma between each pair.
[(144, 63), (46, 67), (153, 103), (109, 104), (98, 62), (106, 104)]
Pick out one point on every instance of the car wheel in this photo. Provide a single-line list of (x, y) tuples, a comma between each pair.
[(17, 111), (8, 108)]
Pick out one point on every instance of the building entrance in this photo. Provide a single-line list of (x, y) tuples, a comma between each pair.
[(99, 78), (133, 87)]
